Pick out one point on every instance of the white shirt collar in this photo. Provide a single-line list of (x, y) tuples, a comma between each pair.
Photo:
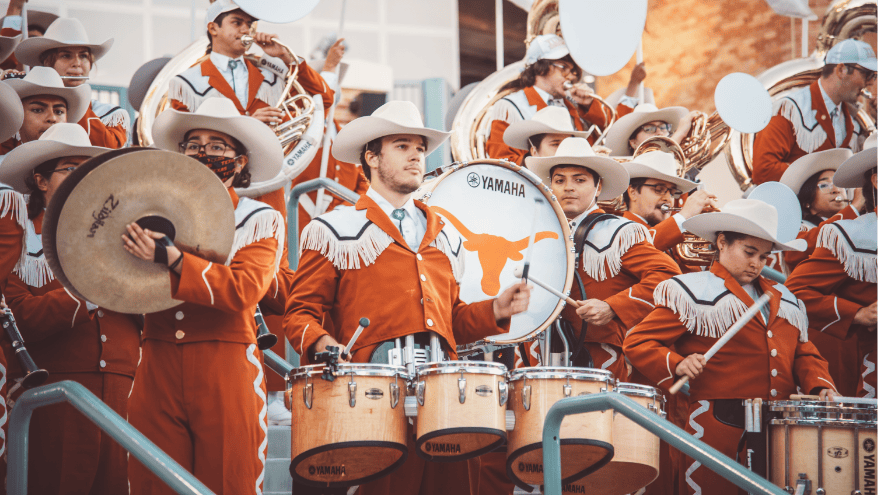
[(830, 105), (388, 208), (584, 214), (222, 61), (544, 95)]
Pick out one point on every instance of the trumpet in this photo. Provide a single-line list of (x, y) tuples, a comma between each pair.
[(841, 199), (609, 111), (299, 109), (669, 209)]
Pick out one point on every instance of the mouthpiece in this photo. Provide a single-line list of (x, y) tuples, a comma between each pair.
[(667, 208), (839, 199), (568, 85), (75, 78), (246, 40), (865, 92)]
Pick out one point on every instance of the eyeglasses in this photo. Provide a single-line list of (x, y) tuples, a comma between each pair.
[(652, 129), (825, 186), (65, 169), (564, 68), (210, 149), (868, 75), (662, 190)]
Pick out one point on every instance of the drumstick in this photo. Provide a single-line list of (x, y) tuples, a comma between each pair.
[(364, 322), (518, 272), (532, 240), (745, 318)]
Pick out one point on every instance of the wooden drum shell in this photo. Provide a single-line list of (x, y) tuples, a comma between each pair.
[(336, 445), (586, 439)]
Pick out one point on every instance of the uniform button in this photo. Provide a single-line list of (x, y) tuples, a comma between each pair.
[(179, 315), (100, 314), (773, 372), (103, 364), (774, 353), (770, 335), (773, 393), (422, 301), (180, 334), (423, 278), (338, 167), (429, 322), (103, 338), (420, 258)]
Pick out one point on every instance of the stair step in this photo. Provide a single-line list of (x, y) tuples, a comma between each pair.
[(279, 442), (277, 476)]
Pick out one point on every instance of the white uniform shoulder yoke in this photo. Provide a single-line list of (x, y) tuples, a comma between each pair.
[(255, 221), (607, 242), (853, 242)]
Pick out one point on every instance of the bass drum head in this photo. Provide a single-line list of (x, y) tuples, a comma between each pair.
[(490, 203)]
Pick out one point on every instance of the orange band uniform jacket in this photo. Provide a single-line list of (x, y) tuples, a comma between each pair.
[(800, 125), (762, 361), (354, 263), (523, 105), (665, 237)]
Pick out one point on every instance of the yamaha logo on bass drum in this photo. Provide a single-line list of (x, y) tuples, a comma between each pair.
[(489, 183)]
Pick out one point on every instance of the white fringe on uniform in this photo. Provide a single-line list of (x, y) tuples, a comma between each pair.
[(345, 255), (33, 270), (700, 319), (807, 140), (262, 225), (457, 262), (862, 267), (596, 263)]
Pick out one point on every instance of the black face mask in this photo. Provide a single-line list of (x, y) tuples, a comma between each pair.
[(222, 166)]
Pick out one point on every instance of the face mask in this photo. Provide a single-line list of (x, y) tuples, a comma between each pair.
[(222, 166)]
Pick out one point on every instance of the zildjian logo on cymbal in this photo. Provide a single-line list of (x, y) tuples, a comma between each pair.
[(494, 251)]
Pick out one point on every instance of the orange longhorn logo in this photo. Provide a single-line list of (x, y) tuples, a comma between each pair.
[(493, 251)]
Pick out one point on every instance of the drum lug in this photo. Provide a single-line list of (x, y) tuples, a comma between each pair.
[(308, 392), (394, 395), (352, 391), (525, 397), (803, 485), (420, 392), (504, 392), (461, 388), (568, 390)]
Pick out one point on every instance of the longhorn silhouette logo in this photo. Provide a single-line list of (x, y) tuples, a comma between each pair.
[(493, 251)]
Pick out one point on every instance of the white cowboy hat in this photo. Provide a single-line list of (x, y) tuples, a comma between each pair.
[(550, 120), (65, 32), (850, 173), (546, 47), (576, 151), (393, 117), (11, 112), (59, 141), (7, 45), (620, 132), (802, 169), (45, 81), (219, 114), (658, 165), (142, 80), (746, 216)]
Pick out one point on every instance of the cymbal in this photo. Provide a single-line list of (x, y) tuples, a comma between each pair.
[(160, 190)]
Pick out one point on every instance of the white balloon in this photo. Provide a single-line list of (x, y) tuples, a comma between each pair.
[(789, 212), (278, 11), (602, 35), (743, 102)]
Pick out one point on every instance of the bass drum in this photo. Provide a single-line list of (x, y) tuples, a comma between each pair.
[(491, 204)]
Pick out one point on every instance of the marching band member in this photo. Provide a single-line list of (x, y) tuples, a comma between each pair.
[(548, 66), (389, 259), (72, 338), (647, 121), (767, 359), (618, 265), (65, 48), (541, 135), (837, 282), (200, 358), (46, 102), (818, 117)]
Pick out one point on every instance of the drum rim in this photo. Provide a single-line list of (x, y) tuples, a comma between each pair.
[(419, 441), (565, 229), (402, 448), (869, 424), (552, 372), (628, 388), (823, 406), (455, 367), (356, 369), (513, 457)]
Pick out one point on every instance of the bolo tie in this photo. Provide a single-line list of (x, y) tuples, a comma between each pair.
[(398, 214)]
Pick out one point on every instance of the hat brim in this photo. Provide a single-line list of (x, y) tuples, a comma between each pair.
[(8, 45), (78, 99), (850, 173), (21, 161), (614, 177), (621, 130), (142, 80), (11, 111), (708, 225), (639, 170), (28, 51), (802, 169), (264, 152), (518, 134), (349, 142)]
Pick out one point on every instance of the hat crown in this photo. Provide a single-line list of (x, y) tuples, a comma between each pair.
[(44, 76), (67, 30), (871, 141), (851, 51), (645, 108), (661, 162), (758, 212), (218, 7), (575, 147), (403, 113), (543, 45), (69, 134), (220, 107), (555, 117)]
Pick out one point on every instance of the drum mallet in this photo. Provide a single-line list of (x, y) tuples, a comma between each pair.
[(519, 270), (745, 318), (364, 322)]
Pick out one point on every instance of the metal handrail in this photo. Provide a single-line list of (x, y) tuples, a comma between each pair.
[(293, 210), (277, 364), (772, 274), (709, 457), (160, 463)]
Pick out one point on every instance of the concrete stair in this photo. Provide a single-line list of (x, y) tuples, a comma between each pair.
[(277, 463)]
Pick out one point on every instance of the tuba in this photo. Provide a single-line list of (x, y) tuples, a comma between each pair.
[(469, 131), (843, 19), (300, 134)]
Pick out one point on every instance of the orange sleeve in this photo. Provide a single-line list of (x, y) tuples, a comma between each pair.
[(771, 150), (313, 84), (179, 106), (650, 267), (667, 234), (648, 346), (622, 110), (11, 241), (815, 282), (473, 322), (234, 288), (810, 369), (312, 295), (40, 317), (497, 149), (595, 114), (99, 134)]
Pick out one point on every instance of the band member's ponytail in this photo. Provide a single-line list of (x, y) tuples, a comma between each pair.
[(36, 203)]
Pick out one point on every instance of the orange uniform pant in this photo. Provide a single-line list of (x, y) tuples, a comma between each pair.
[(204, 405), (68, 454), (705, 427)]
